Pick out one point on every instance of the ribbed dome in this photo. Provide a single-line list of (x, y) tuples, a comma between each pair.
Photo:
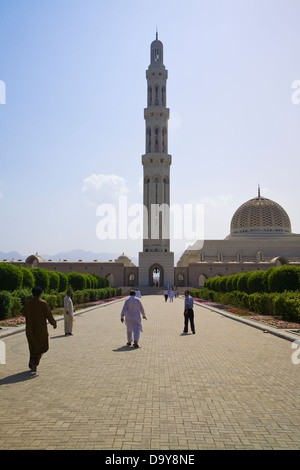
[(260, 216)]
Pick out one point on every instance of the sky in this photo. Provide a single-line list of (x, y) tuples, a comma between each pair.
[(72, 130)]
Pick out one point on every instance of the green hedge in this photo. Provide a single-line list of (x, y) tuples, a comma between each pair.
[(16, 283), (272, 292), (13, 278), (285, 278), (11, 303)]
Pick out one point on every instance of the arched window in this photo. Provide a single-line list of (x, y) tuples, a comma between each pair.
[(150, 96), (110, 279), (156, 96), (163, 96), (202, 279), (166, 190), (148, 141), (156, 146), (131, 279), (180, 280)]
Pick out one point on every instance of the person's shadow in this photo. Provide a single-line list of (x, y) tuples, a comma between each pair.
[(19, 377), (125, 348)]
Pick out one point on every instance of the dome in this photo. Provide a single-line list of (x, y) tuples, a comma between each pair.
[(260, 216), (125, 260)]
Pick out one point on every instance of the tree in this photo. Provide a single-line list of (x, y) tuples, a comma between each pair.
[(242, 282), (63, 282), (284, 278), (41, 278), (257, 282), (53, 281), (77, 281), (10, 277), (28, 278)]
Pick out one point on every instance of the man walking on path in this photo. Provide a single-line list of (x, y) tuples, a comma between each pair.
[(68, 313), (132, 311), (37, 311), (188, 312)]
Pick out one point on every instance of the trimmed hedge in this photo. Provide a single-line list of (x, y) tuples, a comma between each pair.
[(272, 292), (16, 283), (11, 277), (284, 304), (17, 277), (11, 303)]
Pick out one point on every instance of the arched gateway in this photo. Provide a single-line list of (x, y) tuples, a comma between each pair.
[(156, 275)]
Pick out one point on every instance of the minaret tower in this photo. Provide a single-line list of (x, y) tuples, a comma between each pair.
[(156, 256)]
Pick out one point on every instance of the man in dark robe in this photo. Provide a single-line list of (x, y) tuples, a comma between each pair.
[(37, 312)]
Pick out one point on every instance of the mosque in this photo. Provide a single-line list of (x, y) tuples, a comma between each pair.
[(260, 231)]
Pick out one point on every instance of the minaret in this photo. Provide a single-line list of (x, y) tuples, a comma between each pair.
[(156, 164)]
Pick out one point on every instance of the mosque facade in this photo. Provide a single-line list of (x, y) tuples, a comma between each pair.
[(260, 232)]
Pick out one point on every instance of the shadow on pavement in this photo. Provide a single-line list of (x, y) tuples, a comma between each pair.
[(19, 377)]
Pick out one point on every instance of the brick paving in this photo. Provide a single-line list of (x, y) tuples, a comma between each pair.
[(229, 386)]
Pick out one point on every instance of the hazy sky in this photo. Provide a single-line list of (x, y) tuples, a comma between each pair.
[(73, 93)]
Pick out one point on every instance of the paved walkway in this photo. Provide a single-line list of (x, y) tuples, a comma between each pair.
[(229, 386)]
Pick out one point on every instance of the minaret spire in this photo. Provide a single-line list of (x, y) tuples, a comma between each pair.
[(258, 190), (156, 254)]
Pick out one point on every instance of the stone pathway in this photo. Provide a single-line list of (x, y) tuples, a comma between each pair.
[(229, 386)]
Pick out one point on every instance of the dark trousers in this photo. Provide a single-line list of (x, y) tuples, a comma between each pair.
[(189, 317), (34, 361)]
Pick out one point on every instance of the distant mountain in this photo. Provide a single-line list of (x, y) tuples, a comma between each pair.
[(73, 255), (12, 255)]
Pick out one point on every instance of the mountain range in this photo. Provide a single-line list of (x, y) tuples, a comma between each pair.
[(73, 255)]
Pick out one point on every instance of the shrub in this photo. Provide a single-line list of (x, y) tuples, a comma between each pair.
[(15, 306), (63, 282), (28, 278), (23, 294), (221, 283), (5, 304), (41, 278), (51, 300), (53, 281), (284, 278), (229, 284), (242, 282), (77, 281), (10, 277), (287, 305), (256, 282)]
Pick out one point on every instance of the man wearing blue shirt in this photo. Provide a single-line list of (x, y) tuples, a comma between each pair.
[(188, 312)]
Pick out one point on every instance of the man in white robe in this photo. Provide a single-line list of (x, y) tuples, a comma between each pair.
[(138, 293), (132, 311), (68, 313)]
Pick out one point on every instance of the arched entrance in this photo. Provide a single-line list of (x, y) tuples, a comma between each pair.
[(131, 280), (202, 279), (156, 275), (110, 279)]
